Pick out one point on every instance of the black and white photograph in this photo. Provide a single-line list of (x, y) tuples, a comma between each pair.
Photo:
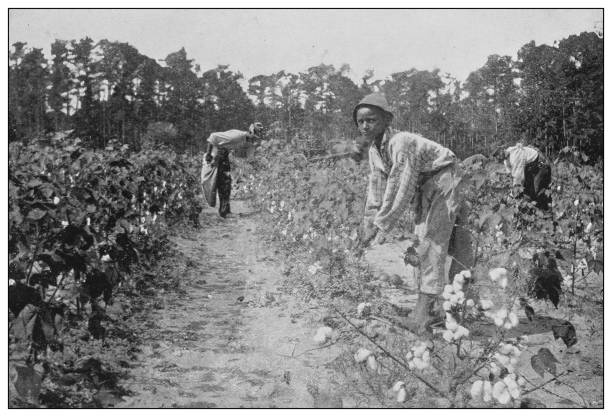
[(300, 208)]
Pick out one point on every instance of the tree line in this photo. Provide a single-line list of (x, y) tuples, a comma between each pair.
[(550, 96)]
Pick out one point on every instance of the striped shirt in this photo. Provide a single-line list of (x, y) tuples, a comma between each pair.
[(395, 173)]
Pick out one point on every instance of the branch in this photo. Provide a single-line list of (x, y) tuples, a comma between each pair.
[(389, 354)]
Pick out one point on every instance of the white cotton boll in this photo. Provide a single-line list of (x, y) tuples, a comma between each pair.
[(506, 348), (323, 333), (576, 202), (56, 200), (419, 363), (460, 297), (469, 303), (425, 356), (503, 359), (503, 282), (447, 335), (411, 365), (461, 332), (515, 393), (487, 390), (497, 273), (372, 363), (510, 381), (516, 351), (514, 320), (459, 279), (466, 273), (106, 258), (486, 304), (507, 325), (451, 324), (409, 356), (457, 286), (499, 322), (364, 309), (454, 299), (476, 390), (446, 305), (397, 386), (494, 369), (500, 393), (361, 355), (587, 229), (402, 394), (448, 292), (419, 350), (65, 223)]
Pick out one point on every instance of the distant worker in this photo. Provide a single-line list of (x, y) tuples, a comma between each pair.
[(216, 177), (415, 177), (531, 170)]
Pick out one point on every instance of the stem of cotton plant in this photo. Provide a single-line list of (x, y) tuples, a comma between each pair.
[(390, 355)]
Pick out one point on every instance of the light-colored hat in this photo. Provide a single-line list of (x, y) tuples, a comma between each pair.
[(373, 100)]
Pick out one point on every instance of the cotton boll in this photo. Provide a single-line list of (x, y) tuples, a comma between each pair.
[(402, 394), (513, 318), (447, 335), (486, 304), (487, 391), (469, 303), (497, 273), (494, 369), (451, 324), (446, 305), (372, 363), (409, 355), (476, 390), (461, 332), (364, 309), (425, 356), (362, 355), (397, 386), (503, 282)]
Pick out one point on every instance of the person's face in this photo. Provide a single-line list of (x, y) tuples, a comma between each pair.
[(371, 123)]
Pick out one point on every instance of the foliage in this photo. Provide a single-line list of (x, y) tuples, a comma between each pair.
[(550, 96), (314, 208), (80, 224)]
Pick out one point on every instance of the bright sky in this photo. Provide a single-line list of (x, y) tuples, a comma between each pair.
[(266, 41)]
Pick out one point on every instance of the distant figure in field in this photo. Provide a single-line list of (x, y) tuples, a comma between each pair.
[(418, 177), (219, 145), (531, 170)]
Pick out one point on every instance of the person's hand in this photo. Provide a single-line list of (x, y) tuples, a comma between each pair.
[(252, 138)]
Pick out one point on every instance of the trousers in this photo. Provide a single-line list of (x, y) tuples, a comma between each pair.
[(538, 177), (224, 181), (442, 230)]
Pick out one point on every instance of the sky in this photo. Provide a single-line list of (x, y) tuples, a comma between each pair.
[(266, 41)]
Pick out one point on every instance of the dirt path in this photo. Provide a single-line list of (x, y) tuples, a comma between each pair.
[(231, 338)]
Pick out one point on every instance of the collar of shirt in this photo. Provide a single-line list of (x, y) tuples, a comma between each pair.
[(382, 159)]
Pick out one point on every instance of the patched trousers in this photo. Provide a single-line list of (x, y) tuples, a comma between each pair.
[(441, 228)]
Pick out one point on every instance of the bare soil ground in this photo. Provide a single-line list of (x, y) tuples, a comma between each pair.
[(232, 338)]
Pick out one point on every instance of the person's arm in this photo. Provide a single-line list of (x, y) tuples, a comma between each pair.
[(208, 156)]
